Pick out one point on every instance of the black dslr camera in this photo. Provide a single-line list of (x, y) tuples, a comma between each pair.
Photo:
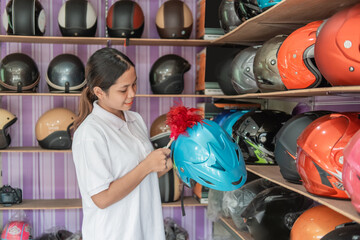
[(9, 195)]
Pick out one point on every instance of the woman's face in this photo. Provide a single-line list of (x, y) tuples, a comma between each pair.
[(120, 95)]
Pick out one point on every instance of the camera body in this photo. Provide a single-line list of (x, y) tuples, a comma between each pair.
[(10, 195)]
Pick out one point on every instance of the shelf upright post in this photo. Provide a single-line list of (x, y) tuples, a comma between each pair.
[(106, 12)]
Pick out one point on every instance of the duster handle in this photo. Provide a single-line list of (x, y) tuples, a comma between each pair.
[(170, 142)]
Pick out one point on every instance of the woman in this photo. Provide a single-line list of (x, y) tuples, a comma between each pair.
[(116, 167)]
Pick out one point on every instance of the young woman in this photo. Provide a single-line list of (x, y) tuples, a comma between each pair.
[(116, 166)]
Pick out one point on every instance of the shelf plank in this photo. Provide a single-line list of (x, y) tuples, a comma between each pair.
[(283, 18), (78, 95), (31, 149), (272, 173), (231, 227), (47, 204)]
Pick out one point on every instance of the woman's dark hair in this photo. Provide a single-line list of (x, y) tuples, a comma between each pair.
[(102, 70)]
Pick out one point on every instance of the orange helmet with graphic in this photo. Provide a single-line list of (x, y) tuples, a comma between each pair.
[(296, 58), (320, 155), (337, 51)]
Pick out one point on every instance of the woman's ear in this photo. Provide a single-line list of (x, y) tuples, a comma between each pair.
[(98, 92)]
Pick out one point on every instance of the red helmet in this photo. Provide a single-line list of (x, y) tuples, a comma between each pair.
[(337, 52), (320, 157), (351, 170), (295, 58), (16, 230)]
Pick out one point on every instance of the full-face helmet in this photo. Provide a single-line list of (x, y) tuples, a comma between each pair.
[(228, 17), (246, 9)]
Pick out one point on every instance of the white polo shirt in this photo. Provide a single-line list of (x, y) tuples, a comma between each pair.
[(104, 149)]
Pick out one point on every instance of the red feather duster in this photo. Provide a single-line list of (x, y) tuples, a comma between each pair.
[(179, 118)]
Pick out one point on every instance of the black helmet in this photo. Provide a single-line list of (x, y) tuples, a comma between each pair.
[(66, 73), (255, 134), (174, 20), (223, 75), (228, 17), (167, 74), (125, 19), (347, 231), (24, 17), (285, 143), (271, 214), (19, 73), (77, 18), (170, 186), (6, 120), (246, 9)]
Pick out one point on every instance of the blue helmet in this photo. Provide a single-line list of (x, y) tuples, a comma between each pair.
[(210, 157), (231, 120), (265, 4)]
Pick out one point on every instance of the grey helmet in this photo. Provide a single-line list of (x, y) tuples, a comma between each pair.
[(243, 79), (265, 66)]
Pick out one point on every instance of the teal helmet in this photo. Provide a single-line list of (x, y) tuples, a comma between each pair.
[(231, 120)]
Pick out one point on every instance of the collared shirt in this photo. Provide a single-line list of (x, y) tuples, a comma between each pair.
[(106, 148)]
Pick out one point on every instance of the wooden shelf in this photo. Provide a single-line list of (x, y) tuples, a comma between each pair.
[(78, 95), (272, 173), (231, 227), (283, 18), (31, 149), (104, 41), (76, 204)]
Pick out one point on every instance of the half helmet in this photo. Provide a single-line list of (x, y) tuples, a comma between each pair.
[(160, 132), (174, 20), (125, 19), (16, 230), (271, 214), (6, 120), (53, 128), (77, 18), (296, 62), (167, 74), (285, 143), (351, 170), (170, 186), (66, 73), (228, 17), (243, 79), (209, 156), (255, 134), (246, 9), (232, 119), (347, 231), (19, 73), (266, 67), (315, 222), (337, 48), (24, 17), (320, 157)]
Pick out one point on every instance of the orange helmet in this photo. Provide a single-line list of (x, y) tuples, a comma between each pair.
[(320, 157), (337, 52), (295, 58), (316, 222)]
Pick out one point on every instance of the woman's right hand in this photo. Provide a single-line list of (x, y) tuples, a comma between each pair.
[(157, 159)]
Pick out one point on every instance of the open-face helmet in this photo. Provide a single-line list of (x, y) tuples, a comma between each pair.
[(125, 19), (77, 18), (170, 186), (6, 120), (228, 17), (320, 156), (52, 129), (207, 155), (16, 230), (174, 19), (255, 134), (160, 132), (24, 17), (19, 73)]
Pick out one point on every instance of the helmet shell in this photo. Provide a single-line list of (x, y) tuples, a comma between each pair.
[(315, 222), (266, 67), (337, 51), (320, 157), (52, 129), (170, 186), (160, 132), (207, 155), (232, 119), (246, 9), (19, 73), (296, 56), (125, 19), (24, 17), (243, 79), (66, 73), (285, 143), (174, 19), (351, 170), (6, 120), (16, 230), (77, 18), (167, 74), (228, 17), (255, 134), (349, 231)]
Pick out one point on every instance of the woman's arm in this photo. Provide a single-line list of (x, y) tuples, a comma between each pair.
[(118, 189)]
